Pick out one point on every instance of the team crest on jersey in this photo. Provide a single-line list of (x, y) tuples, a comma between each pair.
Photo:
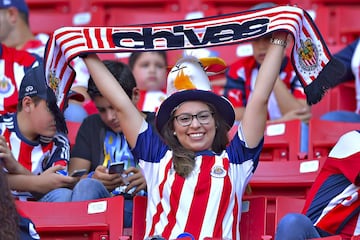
[(6, 88), (53, 82), (218, 171), (308, 55), (45, 160)]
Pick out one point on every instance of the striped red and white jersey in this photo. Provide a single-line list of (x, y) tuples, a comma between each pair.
[(333, 203), (35, 46), (34, 156), (13, 66), (149, 101), (207, 203)]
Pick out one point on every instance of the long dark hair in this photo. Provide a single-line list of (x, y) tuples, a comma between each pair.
[(9, 217), (183, 159)]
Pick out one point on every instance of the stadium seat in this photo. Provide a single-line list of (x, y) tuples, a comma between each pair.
[(139, 215), (73, 128), (291, 178), (253, 218), (47, 16), (282, 178), (93, 219), (324, 134), (281, 141), (341, 97), (230, 6), (285, 205), (337, 20)]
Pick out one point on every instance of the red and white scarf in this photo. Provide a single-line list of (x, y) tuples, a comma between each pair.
[(310, 56)]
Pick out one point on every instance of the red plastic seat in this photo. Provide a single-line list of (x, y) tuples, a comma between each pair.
[(342, 97), (283, 178), (252, 226), (230, 6), (285, 205), (281, 141), (94, 219), (253, 218), (292, 178), (139, 216), (324, 134)]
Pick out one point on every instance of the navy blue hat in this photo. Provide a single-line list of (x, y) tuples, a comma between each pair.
[(19, 4), (34, 84)]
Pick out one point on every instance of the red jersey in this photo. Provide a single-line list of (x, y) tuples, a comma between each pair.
[(333, 203), (149, 101), (35, 46), (13, 65)]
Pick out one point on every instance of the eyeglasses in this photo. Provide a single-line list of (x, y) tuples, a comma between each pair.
[(185, 119)]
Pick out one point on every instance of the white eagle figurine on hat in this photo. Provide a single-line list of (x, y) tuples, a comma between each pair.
[(192, 73)]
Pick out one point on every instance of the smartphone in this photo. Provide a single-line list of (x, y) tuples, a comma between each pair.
[(78, 173), (117, 167)]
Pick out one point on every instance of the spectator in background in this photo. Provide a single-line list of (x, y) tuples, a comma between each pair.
[(15, 32), (332, 206), (35, 149), (15, 29), (350, 56), (150, 70), (287, 101), (14, 64), (100, 141), (193, 158)]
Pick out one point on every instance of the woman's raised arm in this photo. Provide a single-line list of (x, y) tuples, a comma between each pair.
[(255, 116), (129, 116)]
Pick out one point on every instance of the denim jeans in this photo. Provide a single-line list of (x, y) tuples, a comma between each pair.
[(85, 189), (341, 116), (295, 226)]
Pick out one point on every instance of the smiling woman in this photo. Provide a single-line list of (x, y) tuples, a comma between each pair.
[(193, 158)]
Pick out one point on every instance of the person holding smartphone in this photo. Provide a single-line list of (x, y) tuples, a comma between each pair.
[(101, 147), (34, 149)]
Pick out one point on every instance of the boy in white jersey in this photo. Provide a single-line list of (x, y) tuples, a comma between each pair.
[(34, 146)]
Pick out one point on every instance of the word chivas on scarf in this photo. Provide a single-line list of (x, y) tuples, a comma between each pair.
[(311, 59)]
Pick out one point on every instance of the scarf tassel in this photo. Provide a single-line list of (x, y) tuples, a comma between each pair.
[(329, 77)]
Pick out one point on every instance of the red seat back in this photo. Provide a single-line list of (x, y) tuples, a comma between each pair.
[(252, 226), (139, 216), (285, 205), (253, 218), (93, 219), (281, 141), (323, 135)]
